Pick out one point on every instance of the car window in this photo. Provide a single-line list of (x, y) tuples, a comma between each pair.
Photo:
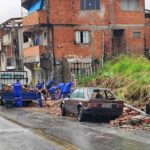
[(75, 94), (97, 94), (81, 94), (109, 95)]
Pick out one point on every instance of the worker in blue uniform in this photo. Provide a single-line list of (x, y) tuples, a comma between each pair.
[(39, 85), (17, 93), (67, 89), (39, 99), (61, 88), (52, 92), (50, 84)]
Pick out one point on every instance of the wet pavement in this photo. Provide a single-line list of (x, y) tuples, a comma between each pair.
[(68, 133), (15, 137)]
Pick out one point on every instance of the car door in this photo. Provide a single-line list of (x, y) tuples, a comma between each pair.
[(69, 104), (78, 100)]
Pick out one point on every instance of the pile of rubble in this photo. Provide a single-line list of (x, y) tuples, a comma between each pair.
[(132, 120), (54, 107)]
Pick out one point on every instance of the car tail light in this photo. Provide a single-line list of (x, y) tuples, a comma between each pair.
[(93, 105)]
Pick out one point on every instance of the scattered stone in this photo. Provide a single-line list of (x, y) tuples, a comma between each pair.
[(131, 120)]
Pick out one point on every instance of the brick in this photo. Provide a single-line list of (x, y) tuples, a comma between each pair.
[(67, 17)]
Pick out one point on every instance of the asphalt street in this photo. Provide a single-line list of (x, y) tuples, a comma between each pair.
[(15, 137), (68, 133)]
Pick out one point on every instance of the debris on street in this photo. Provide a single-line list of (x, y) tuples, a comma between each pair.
[(54, 107), (49, 106), (130, 119)]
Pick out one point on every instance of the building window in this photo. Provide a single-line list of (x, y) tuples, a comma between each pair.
[(130, 5), (90, 4), (136, 34), (82, 37)]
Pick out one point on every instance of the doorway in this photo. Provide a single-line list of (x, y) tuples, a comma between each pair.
[(118, 42)]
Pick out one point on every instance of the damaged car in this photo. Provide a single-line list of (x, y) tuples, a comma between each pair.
[(92, 102)]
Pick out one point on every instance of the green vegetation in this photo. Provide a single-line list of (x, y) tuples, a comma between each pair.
[(128, 76)]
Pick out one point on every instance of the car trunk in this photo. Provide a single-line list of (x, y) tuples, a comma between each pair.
[(100, 103)]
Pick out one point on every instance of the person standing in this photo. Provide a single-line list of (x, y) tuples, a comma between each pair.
[(17, 93), (39, 87)]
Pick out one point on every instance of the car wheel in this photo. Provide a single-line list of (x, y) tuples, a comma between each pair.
[(81, 115), (63, 110)]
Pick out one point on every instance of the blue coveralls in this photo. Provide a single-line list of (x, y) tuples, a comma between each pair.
[(49, 84), (52, 91), (61, 88), (39, 99), (17, 94), (67, 89), (39, 86)]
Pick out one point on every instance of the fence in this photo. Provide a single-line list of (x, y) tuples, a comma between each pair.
[(84, 68)]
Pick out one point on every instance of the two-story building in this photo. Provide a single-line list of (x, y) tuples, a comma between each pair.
[(81, 28), (10, 45), (147, 33)]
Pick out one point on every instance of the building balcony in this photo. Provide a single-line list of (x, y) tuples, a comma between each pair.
[(35, 18), (33, 54)]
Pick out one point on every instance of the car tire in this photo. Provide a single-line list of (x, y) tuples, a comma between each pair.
[(81, 115), (63, 110)]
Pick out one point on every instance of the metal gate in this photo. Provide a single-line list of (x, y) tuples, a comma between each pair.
[(10, 77)]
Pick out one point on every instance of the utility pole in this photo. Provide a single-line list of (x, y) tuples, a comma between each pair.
[(111, 24), (92, 37), (20, 45), (49, 44), (103, 48)]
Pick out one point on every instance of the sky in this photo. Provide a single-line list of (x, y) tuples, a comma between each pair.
[(12, 8), (9, 9), (147, 4)]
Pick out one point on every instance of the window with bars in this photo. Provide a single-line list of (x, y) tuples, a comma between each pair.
[(82, 37), (129, 5), (90, 4)]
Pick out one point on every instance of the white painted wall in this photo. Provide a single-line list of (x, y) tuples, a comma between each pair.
[(29, 74), (3, 62)]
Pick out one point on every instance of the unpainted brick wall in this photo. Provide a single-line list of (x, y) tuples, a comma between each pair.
[(67, 18), (135, 45), (68, 12)]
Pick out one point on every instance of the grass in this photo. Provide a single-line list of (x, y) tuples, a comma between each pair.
[(127, 76)]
